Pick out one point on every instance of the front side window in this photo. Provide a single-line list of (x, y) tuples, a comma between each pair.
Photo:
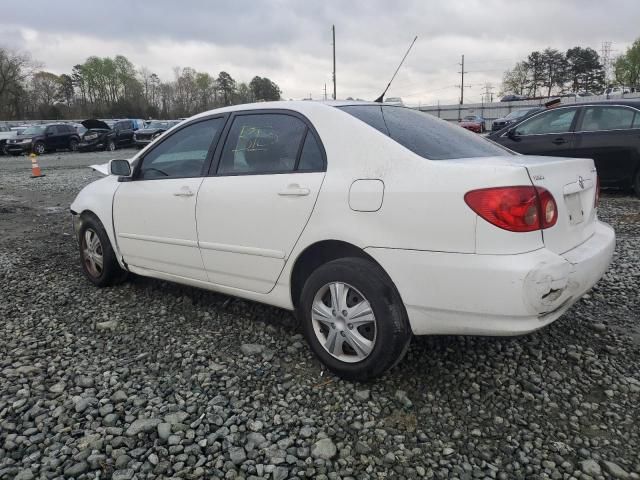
[(606, 118), (551, 121), (183, 154), (262, 143)]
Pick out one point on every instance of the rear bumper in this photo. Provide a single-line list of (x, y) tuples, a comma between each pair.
[(469, 294)]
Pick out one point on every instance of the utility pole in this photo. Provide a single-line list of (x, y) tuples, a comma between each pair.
[(333, 33), (325, 92), (462, 72), (488, 93)]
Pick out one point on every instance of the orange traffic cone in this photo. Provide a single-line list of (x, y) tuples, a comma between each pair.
[(35, 169)]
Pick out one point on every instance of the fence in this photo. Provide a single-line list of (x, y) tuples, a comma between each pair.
[(495, 110)]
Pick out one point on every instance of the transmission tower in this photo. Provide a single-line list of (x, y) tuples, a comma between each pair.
[(605, 55)]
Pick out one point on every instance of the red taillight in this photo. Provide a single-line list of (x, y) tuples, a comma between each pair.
[(597, 199), (517, 209)]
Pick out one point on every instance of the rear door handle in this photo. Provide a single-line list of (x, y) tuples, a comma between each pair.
[(294, 190), (559, 141), (184, 192)]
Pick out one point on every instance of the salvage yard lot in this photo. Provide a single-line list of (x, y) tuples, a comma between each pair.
[(228, 388)]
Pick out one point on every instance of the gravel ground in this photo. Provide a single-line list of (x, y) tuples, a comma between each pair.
[(154, 380)]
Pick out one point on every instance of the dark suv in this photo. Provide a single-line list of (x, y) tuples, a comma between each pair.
[(44, 138), (106, 134)]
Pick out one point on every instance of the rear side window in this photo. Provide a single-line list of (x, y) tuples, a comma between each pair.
[(262, 143), (311, 156), (606, 118), (424, 134)]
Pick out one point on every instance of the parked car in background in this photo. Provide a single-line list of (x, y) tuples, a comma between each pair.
[(372, 222), (153, 130), (500, 123), (80, 129), (397, 101), (44, 138), (5, 134), (606, 131), (475, 123), (100, 135), (137, 123), (513, 98)]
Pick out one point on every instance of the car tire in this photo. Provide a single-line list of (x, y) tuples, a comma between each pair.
[(352, 343), (636, 184), (73, 145), (111, 146), (95, 248), (39, 148)]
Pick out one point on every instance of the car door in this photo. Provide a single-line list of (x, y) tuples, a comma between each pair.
[(124, 133), (610, 134), (548, 133), (52, 137), (255, 204), (154, 213)]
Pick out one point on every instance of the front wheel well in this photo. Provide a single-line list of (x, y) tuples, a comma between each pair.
[(320, 253)]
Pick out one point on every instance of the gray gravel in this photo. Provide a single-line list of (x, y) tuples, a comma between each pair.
[(154, 380)]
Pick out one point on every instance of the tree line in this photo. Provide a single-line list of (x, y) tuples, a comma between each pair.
[(552, 72), (115, 87)]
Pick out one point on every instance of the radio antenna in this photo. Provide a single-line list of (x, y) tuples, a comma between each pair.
[(381, 97)]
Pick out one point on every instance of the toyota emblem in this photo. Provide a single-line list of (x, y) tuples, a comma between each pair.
[(581, 182)]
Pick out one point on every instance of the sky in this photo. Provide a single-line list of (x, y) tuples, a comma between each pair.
[(289, 41)]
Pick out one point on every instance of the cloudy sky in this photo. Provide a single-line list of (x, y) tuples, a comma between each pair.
[(289, 41)]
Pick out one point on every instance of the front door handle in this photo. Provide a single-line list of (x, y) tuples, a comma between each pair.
[(184, 192), (294, 190), (559, 141)]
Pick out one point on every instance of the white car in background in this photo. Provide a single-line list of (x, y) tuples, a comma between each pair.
[(373, 222)]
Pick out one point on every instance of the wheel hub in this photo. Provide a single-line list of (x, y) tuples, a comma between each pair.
[(343, 322)]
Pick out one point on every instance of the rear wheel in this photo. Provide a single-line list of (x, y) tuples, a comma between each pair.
[(98, 260), (111, 145), (73, 145), (353, 318), (636, 184)]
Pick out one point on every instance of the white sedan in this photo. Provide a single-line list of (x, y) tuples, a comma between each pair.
[(372, 222)]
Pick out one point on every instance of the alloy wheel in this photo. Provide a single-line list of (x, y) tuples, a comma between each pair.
[(39, 148), (92, 254), (344, 322)]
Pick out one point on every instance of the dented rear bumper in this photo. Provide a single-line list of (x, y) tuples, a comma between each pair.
[(449, 293)]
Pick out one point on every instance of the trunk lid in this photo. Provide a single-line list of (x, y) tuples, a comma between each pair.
[(572, 182)]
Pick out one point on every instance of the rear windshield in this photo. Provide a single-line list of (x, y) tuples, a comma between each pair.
[(424, 134)]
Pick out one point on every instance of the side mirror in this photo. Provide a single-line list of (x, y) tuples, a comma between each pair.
[(511, 133), (120, 168)]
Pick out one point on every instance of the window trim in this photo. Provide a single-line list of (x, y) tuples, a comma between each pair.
[(584, 110), (215, 164), (210, 152), (572, 127)]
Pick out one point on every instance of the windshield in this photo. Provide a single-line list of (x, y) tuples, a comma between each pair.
[(158, 124), (424, 134), (35, 130)]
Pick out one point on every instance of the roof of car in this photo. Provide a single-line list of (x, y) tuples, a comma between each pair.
[(632, 102)]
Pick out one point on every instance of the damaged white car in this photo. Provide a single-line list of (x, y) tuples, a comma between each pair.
[(372, 222)]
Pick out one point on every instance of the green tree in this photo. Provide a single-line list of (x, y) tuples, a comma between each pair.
[(226, 85), (264, 89), (516, 80), (584, 70), (626, 67)]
